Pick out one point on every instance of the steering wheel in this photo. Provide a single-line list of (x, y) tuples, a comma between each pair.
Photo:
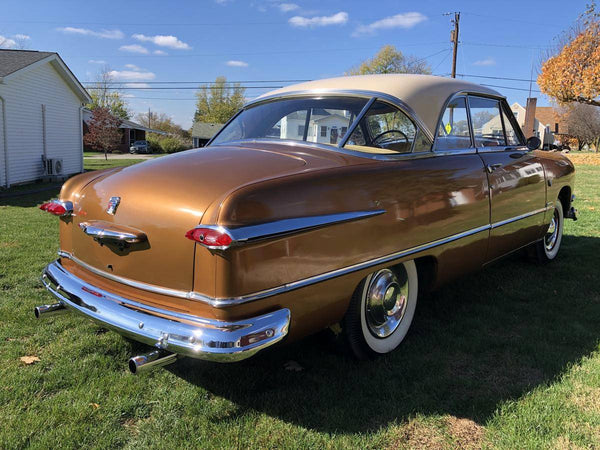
[(378, 139)]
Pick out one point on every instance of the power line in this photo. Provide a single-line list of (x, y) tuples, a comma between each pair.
[(272, 52), (507, 87), (486, 44), (193, 87), (492, 78), (194, 82)]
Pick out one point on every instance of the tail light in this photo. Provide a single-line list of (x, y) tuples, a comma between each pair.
[(211, 237), (58, 208)]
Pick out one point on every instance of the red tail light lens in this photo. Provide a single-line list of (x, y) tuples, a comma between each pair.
[(210, 237), (57, 207)]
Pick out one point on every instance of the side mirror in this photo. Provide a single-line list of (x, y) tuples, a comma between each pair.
[(533, 143)]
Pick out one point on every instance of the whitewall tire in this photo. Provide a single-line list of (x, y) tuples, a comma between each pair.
[(381, 310)]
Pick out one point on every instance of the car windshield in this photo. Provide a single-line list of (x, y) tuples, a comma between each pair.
[(324, 120), (139, 143)]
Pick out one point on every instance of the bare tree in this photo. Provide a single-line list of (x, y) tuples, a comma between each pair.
[(583, 123), (18, 42), (105, 94)]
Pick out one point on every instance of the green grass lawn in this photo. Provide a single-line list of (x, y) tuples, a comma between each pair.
[(505, 358), (98, 164)]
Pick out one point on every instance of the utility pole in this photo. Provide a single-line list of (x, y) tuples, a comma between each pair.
[(149, 118), (454, 40)]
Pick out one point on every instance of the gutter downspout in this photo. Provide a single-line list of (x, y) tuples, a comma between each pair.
[(44, 146), (81, 135), (5, 143)]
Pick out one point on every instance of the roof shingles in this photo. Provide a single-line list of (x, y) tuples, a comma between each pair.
[(13, 60)]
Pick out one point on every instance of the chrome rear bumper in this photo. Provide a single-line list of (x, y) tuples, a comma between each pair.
[(179, 333)]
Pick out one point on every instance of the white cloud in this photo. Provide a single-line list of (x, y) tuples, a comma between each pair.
[(23, 37), (133, 67), (97, 61), (287, 7), (485, 62), (160, 52), (319, 21), (163, 41), (104, 34), (234, 63), (131, 75), (6, 42), (134, 48), (406, 20)]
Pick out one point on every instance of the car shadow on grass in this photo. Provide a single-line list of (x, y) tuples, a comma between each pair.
[(474, 344)]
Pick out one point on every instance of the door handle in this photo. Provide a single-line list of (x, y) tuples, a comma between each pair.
[(491, 167)]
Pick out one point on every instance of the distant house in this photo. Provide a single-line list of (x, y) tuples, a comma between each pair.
[(547, 125), (202, 132), (325, 127), (41, 104), (131, 132)]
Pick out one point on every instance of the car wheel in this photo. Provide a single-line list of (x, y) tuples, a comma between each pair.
[(547, 249), (381, 311)]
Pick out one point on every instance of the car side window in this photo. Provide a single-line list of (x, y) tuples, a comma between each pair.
[(384, 130), (453, 132), (487, 122), (512, 136)]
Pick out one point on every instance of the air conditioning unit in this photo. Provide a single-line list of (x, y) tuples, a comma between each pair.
[(53, 166)]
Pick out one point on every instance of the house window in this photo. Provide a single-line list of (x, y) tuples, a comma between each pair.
[(323, 131), (555, 128), (300, 130), (344, 130)]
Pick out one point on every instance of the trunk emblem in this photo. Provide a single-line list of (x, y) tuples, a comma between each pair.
[(113, 204)]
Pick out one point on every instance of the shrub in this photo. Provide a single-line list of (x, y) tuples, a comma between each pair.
[(154, 143), (166, 144), (171, 144)]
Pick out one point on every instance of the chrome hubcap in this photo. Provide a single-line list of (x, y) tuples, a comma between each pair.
[(552, 233), (387, 297)]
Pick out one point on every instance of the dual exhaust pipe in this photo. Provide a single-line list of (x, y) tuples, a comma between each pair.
[(137, 364)]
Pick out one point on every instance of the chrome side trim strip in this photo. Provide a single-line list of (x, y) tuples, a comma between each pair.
[(221, 302), (127, 281), (294, 225), (522, 216), (231, 301)]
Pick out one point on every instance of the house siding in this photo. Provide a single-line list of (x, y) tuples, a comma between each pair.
[(24, 96)]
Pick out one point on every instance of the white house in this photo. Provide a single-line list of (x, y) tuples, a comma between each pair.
[(40, 117), (325, 126)]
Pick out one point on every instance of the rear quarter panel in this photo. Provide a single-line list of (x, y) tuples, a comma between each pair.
[(424, 199)]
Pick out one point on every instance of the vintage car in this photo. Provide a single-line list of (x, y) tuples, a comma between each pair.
[(327, 203)]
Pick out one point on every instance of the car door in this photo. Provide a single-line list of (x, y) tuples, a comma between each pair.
[(515, 177)]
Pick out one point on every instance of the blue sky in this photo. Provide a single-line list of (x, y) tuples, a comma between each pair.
[(160, 41)]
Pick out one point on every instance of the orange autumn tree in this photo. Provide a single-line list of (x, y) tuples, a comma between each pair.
[(573, 74)]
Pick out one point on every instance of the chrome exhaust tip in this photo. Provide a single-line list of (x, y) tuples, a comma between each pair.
[(48, 309), (145, 363)]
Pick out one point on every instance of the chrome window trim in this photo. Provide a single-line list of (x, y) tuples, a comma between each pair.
[(356, 122), (454, 151), (403, 106), (345, 151)]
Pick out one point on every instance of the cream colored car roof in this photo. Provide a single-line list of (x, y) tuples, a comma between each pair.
[(425, 94)]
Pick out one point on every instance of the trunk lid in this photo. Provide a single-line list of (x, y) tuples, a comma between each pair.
[(164, 198)]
